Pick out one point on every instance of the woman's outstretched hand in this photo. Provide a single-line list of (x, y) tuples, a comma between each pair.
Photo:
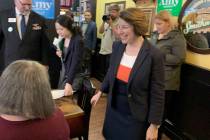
[(95, 98), (152, 132)]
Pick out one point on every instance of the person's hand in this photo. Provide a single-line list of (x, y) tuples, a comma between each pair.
[(68, 90), (95, 98), (152, 132), (59, 53), (110, 21)]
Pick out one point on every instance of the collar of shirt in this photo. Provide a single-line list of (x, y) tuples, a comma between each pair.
[(19, 14), (85, 22)]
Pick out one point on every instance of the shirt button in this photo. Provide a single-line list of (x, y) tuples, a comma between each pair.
[(129, 95)]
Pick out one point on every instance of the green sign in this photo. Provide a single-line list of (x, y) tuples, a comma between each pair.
[(173, 6)]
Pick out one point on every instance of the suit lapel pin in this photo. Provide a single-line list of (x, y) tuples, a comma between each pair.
[(10, 29), (36, 27)]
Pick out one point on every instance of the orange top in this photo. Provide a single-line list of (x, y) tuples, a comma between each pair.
[(125, 67), (123, 73)]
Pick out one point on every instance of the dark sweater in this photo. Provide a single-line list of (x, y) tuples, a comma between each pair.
[(52, 128)]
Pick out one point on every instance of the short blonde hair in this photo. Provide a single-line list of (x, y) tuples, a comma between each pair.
[(136, 18), (25, 90), (164, 16)]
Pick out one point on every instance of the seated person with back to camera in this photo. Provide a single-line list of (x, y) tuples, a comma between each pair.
[(27, 110)]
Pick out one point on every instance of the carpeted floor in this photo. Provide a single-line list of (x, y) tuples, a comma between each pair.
[(96, 120), (97, 117)]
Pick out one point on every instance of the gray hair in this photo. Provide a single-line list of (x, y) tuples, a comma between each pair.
[(25, 90)]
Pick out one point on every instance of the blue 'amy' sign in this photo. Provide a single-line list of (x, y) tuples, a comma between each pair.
[(45, 8)]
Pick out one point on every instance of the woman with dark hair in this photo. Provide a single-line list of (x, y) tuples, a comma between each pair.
[(70, 50), (27, 110), (134, 83)]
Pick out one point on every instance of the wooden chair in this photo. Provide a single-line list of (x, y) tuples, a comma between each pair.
[(83, 97)]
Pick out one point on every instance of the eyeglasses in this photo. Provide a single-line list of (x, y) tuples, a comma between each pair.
[(123, 27)]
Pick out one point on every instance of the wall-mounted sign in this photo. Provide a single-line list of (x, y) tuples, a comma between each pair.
[(45, 8), (197, 17), (173, 6), (194, 22)]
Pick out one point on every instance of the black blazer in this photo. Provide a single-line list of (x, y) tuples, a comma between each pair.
[(73, 58), (34, 45), (145, 87)]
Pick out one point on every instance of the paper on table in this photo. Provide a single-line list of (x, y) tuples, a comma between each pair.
[(57, 93)]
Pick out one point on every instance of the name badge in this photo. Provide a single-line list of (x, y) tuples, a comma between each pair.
[(11, 20)]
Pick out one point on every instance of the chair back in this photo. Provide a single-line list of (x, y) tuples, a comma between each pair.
[(84, 95)]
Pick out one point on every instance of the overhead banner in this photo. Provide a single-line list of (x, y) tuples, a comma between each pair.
[(45, 8), (173, 6)]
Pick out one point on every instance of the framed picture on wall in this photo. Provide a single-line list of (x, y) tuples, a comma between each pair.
[(66, 3), (121, 4), (149, 13), (145, 3)]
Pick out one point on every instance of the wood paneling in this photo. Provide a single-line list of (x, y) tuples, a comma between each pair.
[(191, 112)]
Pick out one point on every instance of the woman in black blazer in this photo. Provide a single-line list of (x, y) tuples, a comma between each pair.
[(134, 83), (70, 50)]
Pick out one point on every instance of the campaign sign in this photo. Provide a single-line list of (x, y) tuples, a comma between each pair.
[(173, 6), (45, 8)]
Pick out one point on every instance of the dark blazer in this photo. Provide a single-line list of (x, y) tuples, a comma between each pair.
[(73, 58), (145, 87), (90, 36), (34, 45)]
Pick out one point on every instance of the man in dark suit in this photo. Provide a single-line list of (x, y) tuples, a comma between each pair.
[(22, 33), (89, 31)]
